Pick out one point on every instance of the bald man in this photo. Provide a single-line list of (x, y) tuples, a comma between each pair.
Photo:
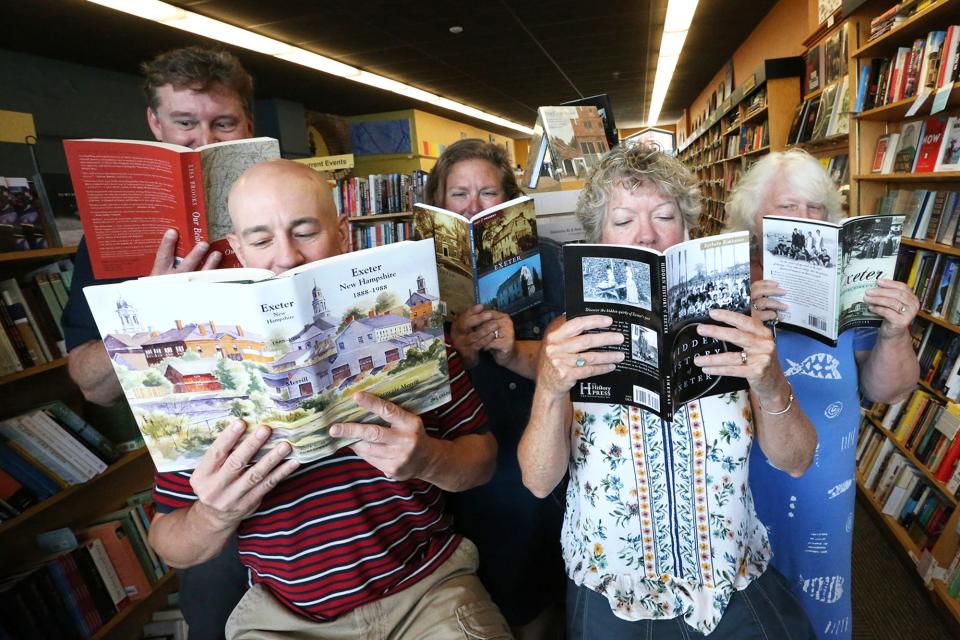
[(358, 544)]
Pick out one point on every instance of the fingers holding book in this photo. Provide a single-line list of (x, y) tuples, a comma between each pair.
[(763, 303), (568, 352), (757, 359), (895, 302), (477, 329), (197, 259)]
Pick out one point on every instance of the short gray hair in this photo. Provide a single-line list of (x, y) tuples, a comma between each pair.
[(631, 167), (805, 175)]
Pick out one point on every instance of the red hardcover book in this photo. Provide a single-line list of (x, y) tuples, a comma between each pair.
[(930, 141), (130, 192), (945, 470), (122, 556)]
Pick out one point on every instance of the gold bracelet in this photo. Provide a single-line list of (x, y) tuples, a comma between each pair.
[(782, 411)]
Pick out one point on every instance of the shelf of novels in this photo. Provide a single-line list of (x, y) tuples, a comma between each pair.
[(944, 176), (896, 111), (129, 622), (935, 14), (894, 529)]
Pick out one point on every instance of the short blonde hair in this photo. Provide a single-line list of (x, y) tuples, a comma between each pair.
[(631, 167), (800, 170)]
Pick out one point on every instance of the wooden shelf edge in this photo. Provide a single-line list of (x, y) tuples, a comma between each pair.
[(373, 217), (938, 176), (931, 245), (893, 527), (880, 42), (896, 111), (32, 371), (938, 321), (37, 254), (129, 622)]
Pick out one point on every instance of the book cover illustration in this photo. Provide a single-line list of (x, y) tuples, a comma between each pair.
[(573, 141), (949, 159), (193, 353), (129, 192), (492, 258), (20, 225), (657, 300), (826, 268)]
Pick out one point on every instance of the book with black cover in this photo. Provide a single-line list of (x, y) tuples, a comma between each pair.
[(657, 300)]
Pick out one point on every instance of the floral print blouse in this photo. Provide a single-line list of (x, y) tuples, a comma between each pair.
[(659, 517)]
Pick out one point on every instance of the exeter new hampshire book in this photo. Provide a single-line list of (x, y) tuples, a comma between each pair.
[(194, 351), (130, 191), (657, 300), (491, 258), (826, 267)]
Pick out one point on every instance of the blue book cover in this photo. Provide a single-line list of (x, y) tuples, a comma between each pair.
[(25, 473)]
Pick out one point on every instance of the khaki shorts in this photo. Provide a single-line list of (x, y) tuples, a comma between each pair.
[(449, 604)]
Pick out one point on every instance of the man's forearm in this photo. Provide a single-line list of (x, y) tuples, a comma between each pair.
[(90, 367), (184, 538), (464, 463)]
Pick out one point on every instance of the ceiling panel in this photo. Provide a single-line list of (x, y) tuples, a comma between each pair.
[(512, 56)]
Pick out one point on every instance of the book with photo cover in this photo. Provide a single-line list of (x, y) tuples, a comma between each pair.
[(129, 192), (907, 146), (883, 155), (810, 117), (491, 258), (195, 351), (657, 300), (826, 268), (567, 142), (949, 158)]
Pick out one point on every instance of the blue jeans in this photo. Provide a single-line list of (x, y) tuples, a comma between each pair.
[(766, 609)]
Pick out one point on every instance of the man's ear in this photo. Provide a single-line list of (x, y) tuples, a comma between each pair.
[(237, 248), (343, 231), (154, 123)]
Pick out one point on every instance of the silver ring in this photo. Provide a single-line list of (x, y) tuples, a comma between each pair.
[(496, 333), (580, 362), (743, 357), (903, 308), (756, 307)]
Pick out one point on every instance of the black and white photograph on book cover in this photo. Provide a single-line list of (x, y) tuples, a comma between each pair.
[(643, 345), (862, 246), (717, 274), (809, 246), (615, 280)]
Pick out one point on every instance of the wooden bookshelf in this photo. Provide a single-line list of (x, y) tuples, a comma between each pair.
[(898, 110), (373, 218), (932, 246), (891, 525), (940, 176), (129, 622), (940, 12), (33, 371), (38, 254)]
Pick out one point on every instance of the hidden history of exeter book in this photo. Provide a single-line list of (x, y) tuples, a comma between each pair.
[(195, 351), (657, 300)]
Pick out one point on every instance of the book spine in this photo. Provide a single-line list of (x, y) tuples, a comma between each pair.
[(89, 572), (72, 601), (25, 473), (88, 608), (18, 435), (64, 441), (13, 334), (12, 289), (195, 224), (93, 439)]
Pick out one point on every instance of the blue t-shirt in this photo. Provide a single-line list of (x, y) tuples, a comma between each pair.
[(810, 518)]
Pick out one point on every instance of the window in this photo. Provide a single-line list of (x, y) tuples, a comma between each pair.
[(359, 339), (340, 344)]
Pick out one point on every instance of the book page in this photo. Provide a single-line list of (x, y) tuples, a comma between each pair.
[(451, 238), (222, 164), (128, 196), (871, 245), (625, 284), (703, 274), (286, 352), (802, 257), (508, 269)]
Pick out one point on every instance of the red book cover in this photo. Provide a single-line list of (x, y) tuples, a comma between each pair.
[(80, 591), (130, 192), (945, 470), (122, 556), (930, 141)]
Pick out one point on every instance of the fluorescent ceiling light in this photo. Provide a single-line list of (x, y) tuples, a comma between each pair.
[(675, 27), (172, 16)]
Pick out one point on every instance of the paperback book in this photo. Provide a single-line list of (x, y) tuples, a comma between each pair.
[(657, 300), (826, 268), (129, 192), (194, 351), (491, 258), (567, 142)]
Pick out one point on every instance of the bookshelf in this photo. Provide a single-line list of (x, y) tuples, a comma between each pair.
[(754, 120), (866, 191), (77, 505)]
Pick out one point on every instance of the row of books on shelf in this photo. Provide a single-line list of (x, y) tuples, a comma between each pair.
[(929, 214), (45, 450), (895, 15), (934, 278), (379, 193), (900, 489), (926, 146), (823, 116), (826, 62), (31, 312), (928, 65), (838, 168), (32, 219), (928, 428), (88, 576), (755, 102), (754, 137), (366, 236)]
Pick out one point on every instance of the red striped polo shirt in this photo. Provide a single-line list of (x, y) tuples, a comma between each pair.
[(337, 533)]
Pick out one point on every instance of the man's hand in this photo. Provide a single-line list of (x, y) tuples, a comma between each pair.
[(402, 451), (166, 254), (228, 489), (476, 329)]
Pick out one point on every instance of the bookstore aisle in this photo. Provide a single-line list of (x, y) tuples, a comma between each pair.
[(889, 602)]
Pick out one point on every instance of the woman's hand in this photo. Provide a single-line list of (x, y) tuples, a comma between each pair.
[(476, 329), (757, 362), (566, 356), (896, 303), (765, 308)]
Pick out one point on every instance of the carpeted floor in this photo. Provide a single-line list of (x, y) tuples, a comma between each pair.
[(889, 602)]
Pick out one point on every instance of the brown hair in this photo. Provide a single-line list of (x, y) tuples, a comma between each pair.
[(198, 68), (470, 149)]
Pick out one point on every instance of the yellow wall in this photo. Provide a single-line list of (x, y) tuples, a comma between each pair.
[(779, 35)]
